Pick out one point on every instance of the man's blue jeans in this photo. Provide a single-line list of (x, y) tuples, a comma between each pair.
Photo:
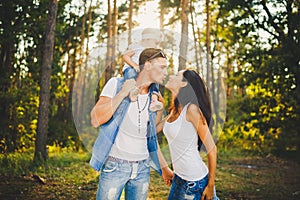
[(182, 189), (118, 174)]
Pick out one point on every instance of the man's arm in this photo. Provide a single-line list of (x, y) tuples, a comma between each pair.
[(106, 106)]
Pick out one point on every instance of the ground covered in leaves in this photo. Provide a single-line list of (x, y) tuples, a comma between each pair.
[(70, 177)]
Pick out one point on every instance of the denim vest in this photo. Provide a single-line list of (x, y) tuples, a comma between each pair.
[(109, 131)]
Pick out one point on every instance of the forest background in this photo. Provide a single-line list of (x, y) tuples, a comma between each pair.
[(48, 71)]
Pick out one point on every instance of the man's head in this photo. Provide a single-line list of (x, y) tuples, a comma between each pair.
[(153, 62)]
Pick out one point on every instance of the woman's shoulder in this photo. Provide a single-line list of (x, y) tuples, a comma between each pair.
[(192, 111), (191, 107)]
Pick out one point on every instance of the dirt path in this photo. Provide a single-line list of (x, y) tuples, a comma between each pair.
[(258, 178)]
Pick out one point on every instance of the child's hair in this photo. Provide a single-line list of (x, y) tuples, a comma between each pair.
[(152, 33)]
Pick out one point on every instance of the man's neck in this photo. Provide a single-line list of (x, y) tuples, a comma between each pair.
[(143, 82)]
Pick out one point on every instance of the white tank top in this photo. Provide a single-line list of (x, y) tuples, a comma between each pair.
[(130, 143), (183, 142)]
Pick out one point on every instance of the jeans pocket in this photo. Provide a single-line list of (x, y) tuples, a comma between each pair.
[(109, 166), (193, 187), (146, 164)]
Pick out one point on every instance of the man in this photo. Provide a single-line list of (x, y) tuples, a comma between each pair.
[(127, 142)]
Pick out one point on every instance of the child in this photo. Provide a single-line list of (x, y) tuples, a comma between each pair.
[(150, 39)]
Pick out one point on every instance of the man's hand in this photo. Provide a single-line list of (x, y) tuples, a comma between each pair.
[(160, 98)]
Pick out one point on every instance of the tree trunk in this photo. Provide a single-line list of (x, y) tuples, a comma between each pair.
[(195, 38), (161, 15), (200, 56), (41, 153), (114, 40), (85, 71), (81, 70), (107, 70), (184, 34), (72, 77), (130, 25), (207, 45)]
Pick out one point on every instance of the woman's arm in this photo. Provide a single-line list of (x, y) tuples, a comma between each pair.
[(167, 173), (196, 117), (160, 125), (106, 106)]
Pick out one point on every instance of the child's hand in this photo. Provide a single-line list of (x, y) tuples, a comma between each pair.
[(137, 68), (128, 86)]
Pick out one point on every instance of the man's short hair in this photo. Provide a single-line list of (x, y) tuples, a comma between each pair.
[(149, 54)]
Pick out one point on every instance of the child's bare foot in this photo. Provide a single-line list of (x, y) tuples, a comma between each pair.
[(156, 105), (133, 95), (137, 68)]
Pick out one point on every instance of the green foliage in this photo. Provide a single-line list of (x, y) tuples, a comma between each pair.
[(262, 68), (63, 134), (262, 108), (20, 132), (16, 163), (20, 163), (19, 79)]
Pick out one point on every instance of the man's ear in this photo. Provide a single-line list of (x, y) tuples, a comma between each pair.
[(147, 65)]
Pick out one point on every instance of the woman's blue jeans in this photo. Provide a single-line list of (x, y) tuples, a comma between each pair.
[(182, 189), (118, 174)]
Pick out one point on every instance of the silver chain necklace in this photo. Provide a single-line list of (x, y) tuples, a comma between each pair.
[(140, 111)]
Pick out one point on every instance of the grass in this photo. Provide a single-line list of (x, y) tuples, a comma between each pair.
[(69, 176)]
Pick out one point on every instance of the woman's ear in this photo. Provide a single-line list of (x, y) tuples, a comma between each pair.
[(183, 83)]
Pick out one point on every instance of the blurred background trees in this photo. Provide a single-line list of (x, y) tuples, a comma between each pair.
[(252, 48)]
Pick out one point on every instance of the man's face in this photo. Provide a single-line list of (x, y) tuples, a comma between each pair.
[(158, 70)]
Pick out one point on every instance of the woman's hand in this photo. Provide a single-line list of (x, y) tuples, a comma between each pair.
[(167, 175), (208, 193)]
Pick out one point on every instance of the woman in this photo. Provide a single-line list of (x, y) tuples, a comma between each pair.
[(186, 127)]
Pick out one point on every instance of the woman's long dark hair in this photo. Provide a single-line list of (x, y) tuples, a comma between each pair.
[(194, 92)]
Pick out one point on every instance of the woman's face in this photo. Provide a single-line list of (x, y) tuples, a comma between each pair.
[(175, 82)]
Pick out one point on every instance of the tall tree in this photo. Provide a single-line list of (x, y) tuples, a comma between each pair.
[(184, 33), (130, 24), (208, 60), (81, 66), (114, 33), (40, 154), (195, 37), (161, 14), (107, 74)]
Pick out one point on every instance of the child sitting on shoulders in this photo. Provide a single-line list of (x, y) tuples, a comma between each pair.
[(150, 39)]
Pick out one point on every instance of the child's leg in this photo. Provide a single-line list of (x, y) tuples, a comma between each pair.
[(129, 73), (155, 104), (154, 88)]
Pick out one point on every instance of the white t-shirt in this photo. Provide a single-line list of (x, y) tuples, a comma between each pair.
[(137, 48), (130, 143), (183, 142)]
